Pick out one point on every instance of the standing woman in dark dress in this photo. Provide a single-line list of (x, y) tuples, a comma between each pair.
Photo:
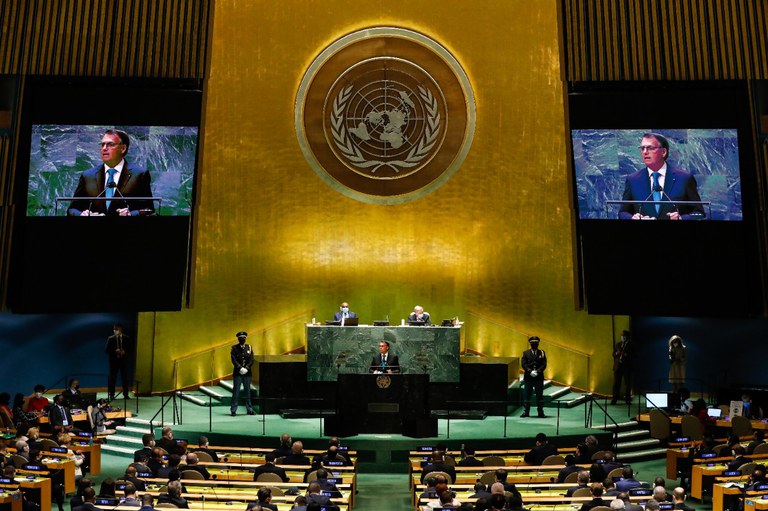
[(676, 362)]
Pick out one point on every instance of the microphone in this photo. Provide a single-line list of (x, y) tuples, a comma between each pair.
[(110, 185), (658, 188)]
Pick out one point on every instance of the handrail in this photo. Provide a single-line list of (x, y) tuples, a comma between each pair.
[(588, 417), (262, 331), (578, 376), (548, 341), (177, 413), (213, 363)]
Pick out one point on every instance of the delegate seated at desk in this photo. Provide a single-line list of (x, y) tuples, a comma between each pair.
[(344, 312), (419, 316), (384, 362)]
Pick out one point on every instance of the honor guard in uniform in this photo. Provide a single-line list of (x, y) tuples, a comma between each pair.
[(242, 360), (534, 362)]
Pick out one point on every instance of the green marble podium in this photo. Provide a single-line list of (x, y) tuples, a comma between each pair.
[(432, 350)]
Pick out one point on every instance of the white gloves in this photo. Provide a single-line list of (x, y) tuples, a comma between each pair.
[(534, 373), (243, 370)]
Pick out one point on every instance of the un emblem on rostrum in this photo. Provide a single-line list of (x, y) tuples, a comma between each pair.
[(385, 115)]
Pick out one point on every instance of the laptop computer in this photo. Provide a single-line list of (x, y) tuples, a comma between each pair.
[(714, 413)]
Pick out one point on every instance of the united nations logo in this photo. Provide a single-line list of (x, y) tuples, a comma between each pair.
[(385, 115), (383, 381)]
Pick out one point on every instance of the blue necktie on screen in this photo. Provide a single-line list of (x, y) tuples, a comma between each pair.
[(110, 190), (656, 195)]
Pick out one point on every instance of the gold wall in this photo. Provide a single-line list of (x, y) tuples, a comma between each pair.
[(271, 239)]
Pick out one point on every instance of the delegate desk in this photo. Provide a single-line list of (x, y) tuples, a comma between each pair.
[(721, 423), (41, 486), (334, 350), (523, 474), (10, 500), (82, 416), (704, 471), (529, 492)]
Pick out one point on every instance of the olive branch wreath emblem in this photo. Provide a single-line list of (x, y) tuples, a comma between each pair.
[(417, 153)]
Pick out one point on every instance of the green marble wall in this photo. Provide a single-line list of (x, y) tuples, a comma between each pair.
[(335, 349)]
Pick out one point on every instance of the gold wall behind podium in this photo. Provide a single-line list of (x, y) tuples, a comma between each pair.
[(272, 239)]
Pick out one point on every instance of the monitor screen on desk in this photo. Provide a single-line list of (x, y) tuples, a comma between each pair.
[(657, 400), (714, 413)]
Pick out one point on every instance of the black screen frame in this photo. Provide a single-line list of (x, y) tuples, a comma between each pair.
[(705, 268), (58, 265)]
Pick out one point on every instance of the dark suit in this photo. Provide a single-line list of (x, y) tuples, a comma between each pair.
[(337, 316), (439, 467), (470, 461), (424, 318), (209, 452), (269, 468), (565, 472), (138, 483), (118, 363), (539, 453), (133, 182), (296, 459), (146, 451), (319, 498), (393, 363), (58, 415), (73, 399), (593, 503), (534, 360), (88, 506), (678, 186), (327, 487), (179, 502), (622, 369)]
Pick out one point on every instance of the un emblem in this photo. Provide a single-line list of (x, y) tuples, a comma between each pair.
[(385, 115), (383, 381)]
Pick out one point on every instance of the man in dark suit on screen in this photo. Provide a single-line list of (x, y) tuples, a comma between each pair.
[(658, 182), (384, 362), (115, 179)]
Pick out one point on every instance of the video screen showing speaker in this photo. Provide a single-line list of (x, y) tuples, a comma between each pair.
[(105, 194), (67, 170), (664, 181), (698, 177)]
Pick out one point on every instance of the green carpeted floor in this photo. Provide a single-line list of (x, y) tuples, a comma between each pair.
[(383, 477)]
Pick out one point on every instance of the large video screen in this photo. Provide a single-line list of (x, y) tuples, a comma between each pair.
[(64, 158), (614, 174), (122, 156), (644, 154)]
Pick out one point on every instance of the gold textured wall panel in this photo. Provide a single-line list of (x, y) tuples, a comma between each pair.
[(272, 239)]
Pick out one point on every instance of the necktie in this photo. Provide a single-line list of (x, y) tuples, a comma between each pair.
[(656, 194), (383, 361), (110, 190)]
